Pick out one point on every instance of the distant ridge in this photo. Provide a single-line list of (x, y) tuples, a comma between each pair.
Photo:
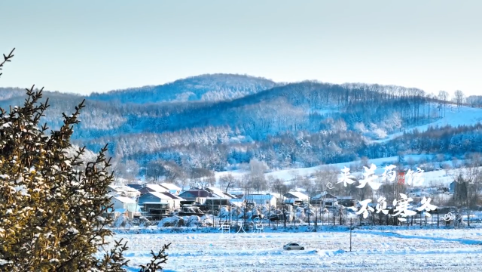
[(208, 87), (221, 121)]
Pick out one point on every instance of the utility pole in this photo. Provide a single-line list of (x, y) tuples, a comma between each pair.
[(309, 211), (350, 237), (351, 228), (269, 212)]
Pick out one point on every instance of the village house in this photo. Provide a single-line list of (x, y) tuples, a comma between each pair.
[(261, 199), (136, 186), (124, 205), (120, 190), (346, 201), (173, 201), (295, 198), (196, 195), (324, 199), (151, 187), (171, 188), (219, 193)]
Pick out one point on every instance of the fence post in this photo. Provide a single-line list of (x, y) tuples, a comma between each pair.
[(437, 220)]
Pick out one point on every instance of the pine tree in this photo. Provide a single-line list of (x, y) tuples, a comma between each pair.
[(53, 204)]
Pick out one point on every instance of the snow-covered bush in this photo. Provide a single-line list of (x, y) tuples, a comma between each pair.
[(171, 221)]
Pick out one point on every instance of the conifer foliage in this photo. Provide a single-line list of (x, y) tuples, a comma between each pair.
[(53, 204)]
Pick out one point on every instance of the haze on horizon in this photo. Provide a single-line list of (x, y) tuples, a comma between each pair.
[(98, 46)]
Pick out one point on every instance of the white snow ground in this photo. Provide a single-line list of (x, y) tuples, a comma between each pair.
[(379, 249)]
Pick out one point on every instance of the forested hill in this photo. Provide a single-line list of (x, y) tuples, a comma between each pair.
[(214, 87), (218, 122)]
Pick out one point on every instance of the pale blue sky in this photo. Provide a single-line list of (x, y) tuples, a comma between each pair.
[(97, 46)]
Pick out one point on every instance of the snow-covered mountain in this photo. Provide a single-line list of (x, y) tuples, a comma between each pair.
[(220, 121), (211, 87)]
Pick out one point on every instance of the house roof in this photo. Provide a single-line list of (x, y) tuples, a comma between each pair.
[(296, 195), (116, 189), (124, 199), (155, 187), (195, 193), (171, 195), (128, 189), (152, 202), (323, 195), (165, 196), (219, 192)]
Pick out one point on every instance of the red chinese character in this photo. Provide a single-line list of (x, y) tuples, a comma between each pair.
[(401, 177)]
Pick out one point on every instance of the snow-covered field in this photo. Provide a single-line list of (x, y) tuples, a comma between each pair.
[(380, 249)]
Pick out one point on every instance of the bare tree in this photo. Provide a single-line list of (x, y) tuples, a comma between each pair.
[(443, 97), (257, 179), (168, 170), (279, 186), (326, 179), (127, 170), (227, 181), (459, 97), (468, 183), (202, 178)]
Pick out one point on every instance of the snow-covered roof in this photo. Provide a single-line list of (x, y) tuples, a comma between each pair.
[(297, 195), (323, 195), (126, 200), (165, 196), (160, 202), (156, 187), (195, 193), (236, 192), (127, 189), (218, 192)]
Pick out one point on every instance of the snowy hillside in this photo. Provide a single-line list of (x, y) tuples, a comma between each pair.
[(453, 116), (221, 122), (215, 87)]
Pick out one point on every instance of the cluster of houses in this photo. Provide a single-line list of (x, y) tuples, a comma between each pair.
[(155, 201)]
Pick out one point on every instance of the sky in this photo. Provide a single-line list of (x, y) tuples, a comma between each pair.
[(97, 46)]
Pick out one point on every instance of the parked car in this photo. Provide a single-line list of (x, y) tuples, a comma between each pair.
[(292, 246)]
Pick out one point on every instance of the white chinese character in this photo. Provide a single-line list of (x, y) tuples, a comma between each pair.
[(402, 207), (409, 177), (414, 178), (364, 208), (426, 206), (346, 177), (389, 174), (417, 177), (369, 178), (382, 205)]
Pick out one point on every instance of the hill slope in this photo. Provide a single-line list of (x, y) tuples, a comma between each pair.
[(285, 125), (213, 87)]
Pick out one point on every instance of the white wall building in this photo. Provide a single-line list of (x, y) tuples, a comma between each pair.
[(261, 199)]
